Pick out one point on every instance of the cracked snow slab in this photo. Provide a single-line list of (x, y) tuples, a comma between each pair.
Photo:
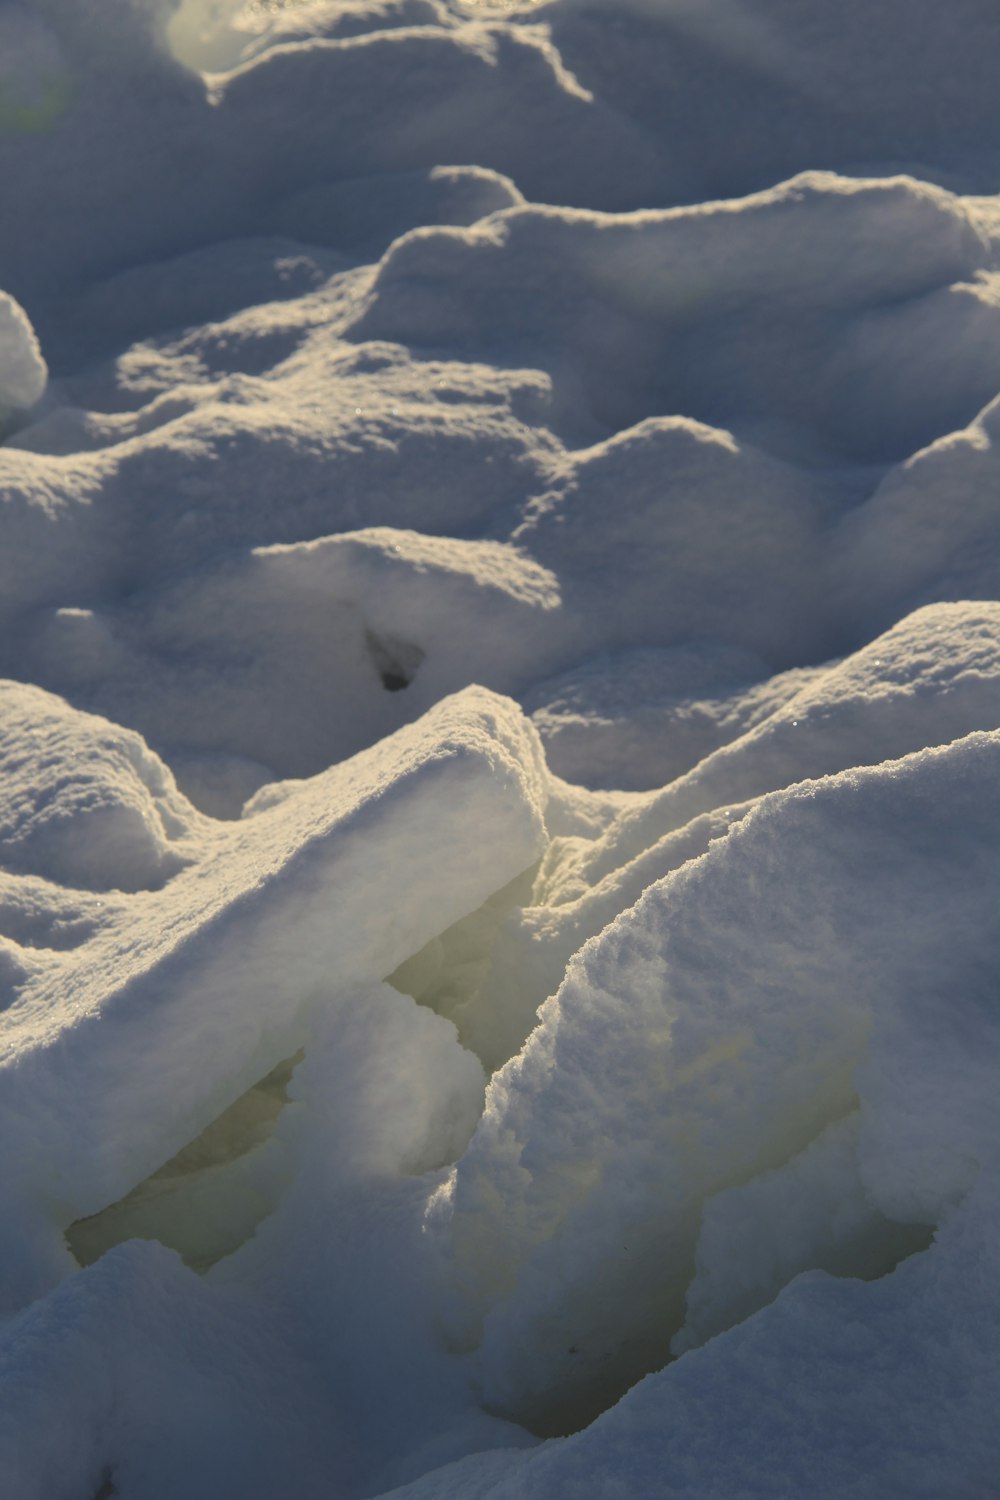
[(217, 973)]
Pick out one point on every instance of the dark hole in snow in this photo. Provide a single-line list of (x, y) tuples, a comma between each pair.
[(395, 661), (105, 1490)]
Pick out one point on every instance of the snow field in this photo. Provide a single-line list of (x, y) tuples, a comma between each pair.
[(500, 655)]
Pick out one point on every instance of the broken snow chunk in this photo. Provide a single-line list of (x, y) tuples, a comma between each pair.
[(811, 1214), (280, 917), (708, 1036)]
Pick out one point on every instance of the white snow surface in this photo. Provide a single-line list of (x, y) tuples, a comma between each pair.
[(499, 750), (23, 371)]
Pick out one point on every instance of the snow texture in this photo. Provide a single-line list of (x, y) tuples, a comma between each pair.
[(499, 738), (23, 373)]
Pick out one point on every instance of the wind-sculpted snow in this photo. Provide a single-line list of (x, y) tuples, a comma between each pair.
[(499, 738), (22, 368)]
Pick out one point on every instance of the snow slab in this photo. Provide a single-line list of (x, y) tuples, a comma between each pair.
[(267, 920)]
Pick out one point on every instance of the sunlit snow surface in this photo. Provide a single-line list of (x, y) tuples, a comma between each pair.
[(499, 750)]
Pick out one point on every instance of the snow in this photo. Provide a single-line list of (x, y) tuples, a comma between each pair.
[(499, 728), (22, 369)]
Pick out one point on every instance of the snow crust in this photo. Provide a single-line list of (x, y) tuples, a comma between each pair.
[(499, 737)]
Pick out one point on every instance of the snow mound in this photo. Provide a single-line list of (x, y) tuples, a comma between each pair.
[(743, 314), (84, 803), (23, 372)]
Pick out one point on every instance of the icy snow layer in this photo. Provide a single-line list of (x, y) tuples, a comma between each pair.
[(499, 749)]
